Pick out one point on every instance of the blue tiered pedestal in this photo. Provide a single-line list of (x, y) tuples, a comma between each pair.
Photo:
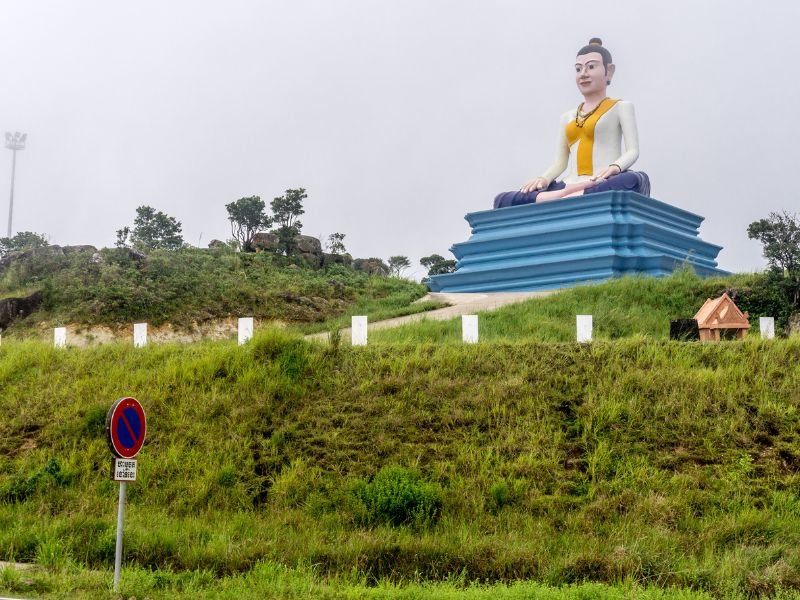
[(576, 240)]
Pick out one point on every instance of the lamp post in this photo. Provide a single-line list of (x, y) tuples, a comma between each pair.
[(14, 141)]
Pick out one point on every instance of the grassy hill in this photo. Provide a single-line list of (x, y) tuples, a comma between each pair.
[(621, 308), (192, 286), (635, 462)]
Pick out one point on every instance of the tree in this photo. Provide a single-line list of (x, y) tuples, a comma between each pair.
[(335, 243), (398, 264), (152, 230), (285, 210), (24, 240), (247, 218), (780, 237), (437, 265)]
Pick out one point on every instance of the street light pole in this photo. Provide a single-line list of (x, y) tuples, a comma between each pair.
[(14, 141)]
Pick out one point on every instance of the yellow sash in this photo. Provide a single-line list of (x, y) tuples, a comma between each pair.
[(585, 136)]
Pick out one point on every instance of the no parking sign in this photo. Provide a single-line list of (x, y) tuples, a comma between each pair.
[(126, 427)]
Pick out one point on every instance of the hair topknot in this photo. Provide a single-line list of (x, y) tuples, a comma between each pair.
[(596, 45)]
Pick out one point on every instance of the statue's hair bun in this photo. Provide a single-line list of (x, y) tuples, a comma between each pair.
[(596, 41)]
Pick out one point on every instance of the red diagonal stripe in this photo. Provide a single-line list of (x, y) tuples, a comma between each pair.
[(130, 429)]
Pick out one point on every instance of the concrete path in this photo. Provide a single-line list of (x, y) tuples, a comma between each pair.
[(460, 304)]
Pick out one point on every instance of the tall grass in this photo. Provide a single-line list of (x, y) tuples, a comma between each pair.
[(620, 308), (636, 461)]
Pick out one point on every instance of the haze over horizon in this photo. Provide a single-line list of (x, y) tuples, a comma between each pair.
[(397, 117)]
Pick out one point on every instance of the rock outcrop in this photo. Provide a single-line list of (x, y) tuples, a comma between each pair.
[(265, 242), (371, 266), (336, 259), (18, 308)]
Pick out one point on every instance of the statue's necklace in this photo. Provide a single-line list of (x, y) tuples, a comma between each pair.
[(580, 118)]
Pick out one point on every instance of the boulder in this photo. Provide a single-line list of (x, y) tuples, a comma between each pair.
[(16, 308), (136, 256), (307, 244), (97, 259), (336, 259), (264, 242), (217, 244), (371, 266)]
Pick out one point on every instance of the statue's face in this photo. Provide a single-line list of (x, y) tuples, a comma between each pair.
[(590, 74)]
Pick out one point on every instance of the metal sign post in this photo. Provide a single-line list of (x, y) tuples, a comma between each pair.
[(123, 485), (126, 428)]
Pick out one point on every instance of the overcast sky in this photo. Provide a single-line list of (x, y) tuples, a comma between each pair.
[(397, 116)]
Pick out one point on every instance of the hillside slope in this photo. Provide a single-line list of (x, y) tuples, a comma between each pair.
[(671, 464), (191, 286)]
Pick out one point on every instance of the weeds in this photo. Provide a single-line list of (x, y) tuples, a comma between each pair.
[(397, 496)]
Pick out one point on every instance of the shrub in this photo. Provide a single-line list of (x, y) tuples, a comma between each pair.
[(397, 496), (499, 494)]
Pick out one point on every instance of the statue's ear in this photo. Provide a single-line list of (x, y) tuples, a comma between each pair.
[(610, 68)]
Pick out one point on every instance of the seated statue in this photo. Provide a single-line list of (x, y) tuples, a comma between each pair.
[(592, 136)]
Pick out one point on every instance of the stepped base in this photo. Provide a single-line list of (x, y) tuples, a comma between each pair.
[(576, 240)]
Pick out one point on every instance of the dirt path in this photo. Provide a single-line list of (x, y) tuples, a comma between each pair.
[(460, 304)]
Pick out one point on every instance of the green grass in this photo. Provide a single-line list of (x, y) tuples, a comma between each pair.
[(635, 462), (272, 580), (192, 286), (620, 308)]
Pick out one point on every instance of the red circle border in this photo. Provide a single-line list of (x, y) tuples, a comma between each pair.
[(113, 436)]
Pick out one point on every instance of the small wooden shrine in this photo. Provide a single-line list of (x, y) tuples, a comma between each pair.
[(720, 318)]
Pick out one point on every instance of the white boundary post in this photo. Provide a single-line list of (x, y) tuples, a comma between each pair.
[(583, 324), (139, 335), (469, 329), (245, 329), (358, 331), (60, 337), (767, 326)]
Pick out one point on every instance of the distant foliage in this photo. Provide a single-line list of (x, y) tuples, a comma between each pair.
[(152, 230), (398, 264), (780, 236), (285, 210), (335, 243), (437, 264), (24, 240), (194, 285), (397, 496), (247, 218), (767, 294)]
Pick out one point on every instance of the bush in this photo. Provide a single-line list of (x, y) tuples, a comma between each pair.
[(397, 496), (500, 495), (768, 295)]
